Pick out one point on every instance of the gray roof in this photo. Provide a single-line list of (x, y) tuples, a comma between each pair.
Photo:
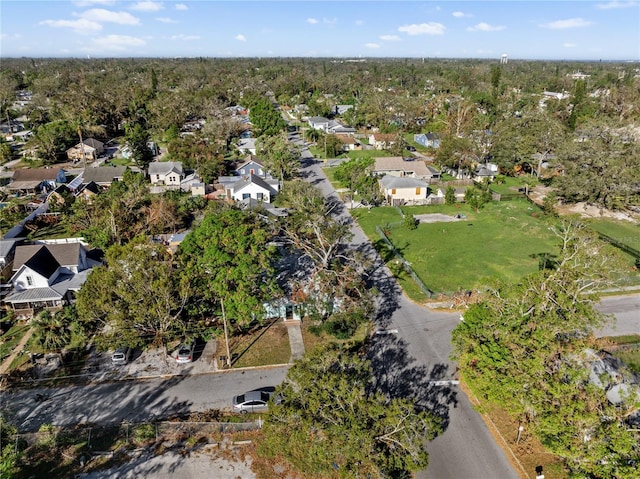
[(254, 204), (103, 174), (389, 181), (33, 294), (249, 179), (65, 254), (7, 246), (165, 167)]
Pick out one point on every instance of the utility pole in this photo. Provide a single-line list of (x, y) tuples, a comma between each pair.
[(226, 333)]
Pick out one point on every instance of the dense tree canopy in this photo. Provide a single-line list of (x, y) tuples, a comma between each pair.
[(524, 349), (332, 423), (228, 258)]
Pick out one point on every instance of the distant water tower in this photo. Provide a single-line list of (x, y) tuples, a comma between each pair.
[(503, 59)]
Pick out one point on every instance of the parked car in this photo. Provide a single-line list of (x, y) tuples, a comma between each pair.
[(121, 355), (184, 352), (254, 401), (411, 148)]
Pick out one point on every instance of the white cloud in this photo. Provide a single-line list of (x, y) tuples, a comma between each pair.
[(568, 23), (117, 42), (181, 6), (101, 15), (82, 25), (147, 6), (312, 21), (389, 38), (569, 45), (359, 22), (461, 14), (616, 4), (485, 27), (166, 20), (240, 37), (372, 45), (186, 38), (431, 28), (330, 21)]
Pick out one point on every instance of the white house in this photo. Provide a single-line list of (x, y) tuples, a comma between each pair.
[(255, 187), (169, 173), (401, 190), (382, 141), (47, 275), (252, 166)]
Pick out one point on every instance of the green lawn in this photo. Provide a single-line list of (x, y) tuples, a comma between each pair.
[(510, 185), (503, 240), (624, 231)]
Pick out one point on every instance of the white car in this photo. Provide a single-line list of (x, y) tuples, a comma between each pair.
[(121, 355)]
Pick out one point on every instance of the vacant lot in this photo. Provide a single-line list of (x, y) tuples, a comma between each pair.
[(503, 240)]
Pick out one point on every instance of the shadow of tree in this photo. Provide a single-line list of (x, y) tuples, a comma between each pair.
[(397, 376)]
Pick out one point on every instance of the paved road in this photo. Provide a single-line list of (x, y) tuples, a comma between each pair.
[(410, 354), (626, 310), (135, 401)]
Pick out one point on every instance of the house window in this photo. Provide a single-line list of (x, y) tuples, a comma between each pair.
[(260, 196), (246, 196), (393, 191), (417, 190), (29, 280), (252, 171), (157, 177)]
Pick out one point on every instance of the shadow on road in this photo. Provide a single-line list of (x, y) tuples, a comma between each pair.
[(397, 376)]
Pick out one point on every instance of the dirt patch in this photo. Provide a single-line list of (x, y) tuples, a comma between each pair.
[(436, 218)]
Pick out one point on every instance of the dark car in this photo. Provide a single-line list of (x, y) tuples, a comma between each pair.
[(411, 148), (254, 401)]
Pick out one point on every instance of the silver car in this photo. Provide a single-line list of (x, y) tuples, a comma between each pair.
[(121, 355), (254, 401)]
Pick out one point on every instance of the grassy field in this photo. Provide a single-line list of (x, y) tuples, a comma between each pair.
[(261, 346), (624, 231), (502, 240)]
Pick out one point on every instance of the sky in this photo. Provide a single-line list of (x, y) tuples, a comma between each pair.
[(551, 30)]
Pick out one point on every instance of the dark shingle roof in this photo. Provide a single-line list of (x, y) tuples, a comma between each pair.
[(43, 262), (103, 174), (65, 254), (36, 174)]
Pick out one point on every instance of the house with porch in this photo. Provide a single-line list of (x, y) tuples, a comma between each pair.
[(47, 275), (402, 167)]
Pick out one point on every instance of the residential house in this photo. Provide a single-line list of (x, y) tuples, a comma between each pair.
[(382, 141), (89, 150), (349, 143), (341, 109), (403, 190), (127, 153), (266, 209), (401, 167), (336, 128), (168, 173), (47, 275), (253, 186), (103, 175), (429, 140), (485, 172), (252, 166), (59, 196), (318, 122), (32, 180), (88, 191)]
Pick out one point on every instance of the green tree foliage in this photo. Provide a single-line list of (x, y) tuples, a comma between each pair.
[(523, 348), (51, 140), (138, 295), (197, 154), (281, 158), (228, 258), (265, 118), (410, 222), (54, 331), (604, 170), (335, 273), (9, 457), (477, 196), (137, 138), (333, 424), (450, 195), (355, 175), (5, 151)]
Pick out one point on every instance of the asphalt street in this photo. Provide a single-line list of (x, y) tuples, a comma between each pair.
[(411, 357)]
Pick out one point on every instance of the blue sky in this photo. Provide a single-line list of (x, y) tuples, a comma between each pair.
[(581, 30)]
